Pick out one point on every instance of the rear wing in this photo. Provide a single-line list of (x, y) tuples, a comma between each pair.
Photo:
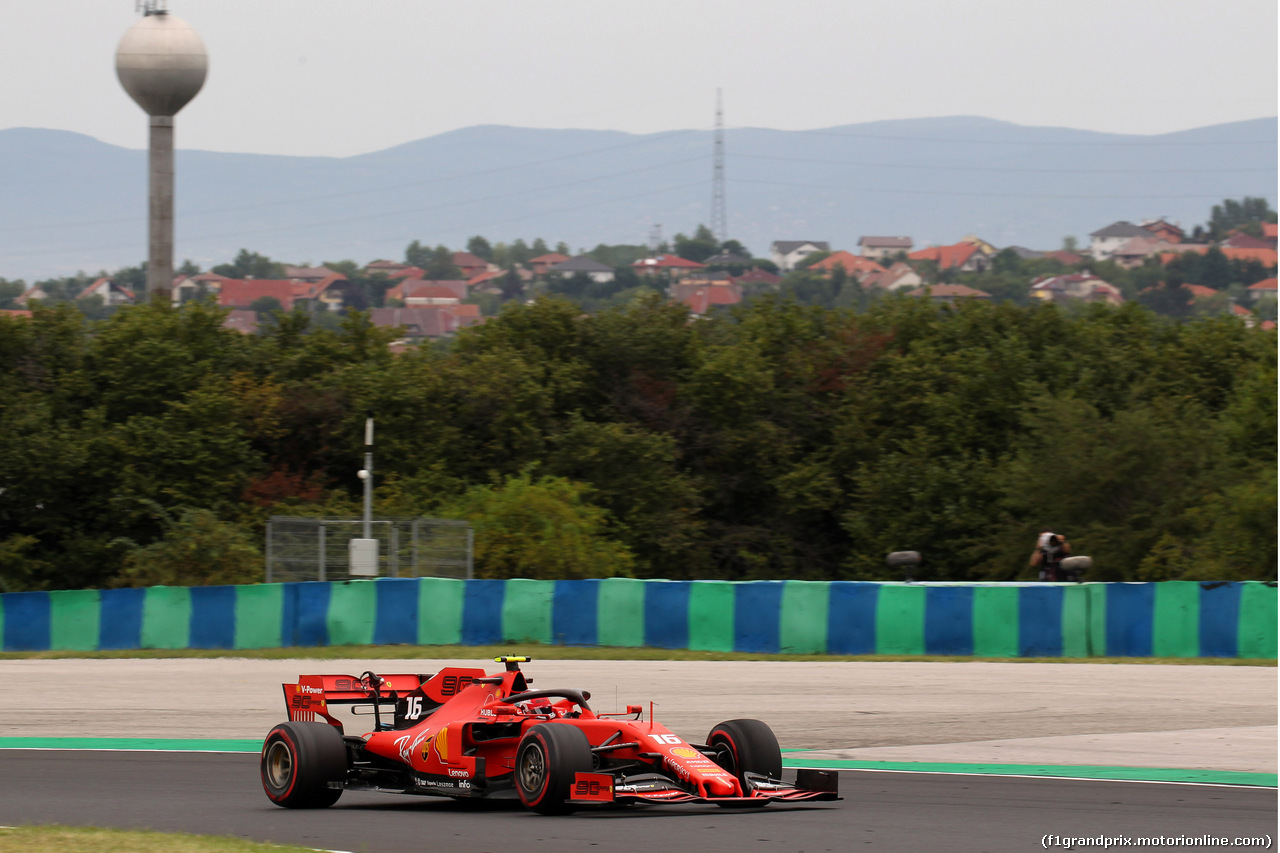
[(312, 695)]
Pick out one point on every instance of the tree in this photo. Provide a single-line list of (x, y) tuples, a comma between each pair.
[(1069, 244), (1247, 214), (480, 247), (251, 265), (440, 266), (264, 305), (197, 549), (417, 255), (699, 247), (540, 528)]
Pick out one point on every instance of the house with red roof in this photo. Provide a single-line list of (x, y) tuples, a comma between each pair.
[(855, 266), (111, 293), (1269, 230), (1266, 287), (408, 272), (900, 276), (383, 267), (667, 264), (701, 300), (964, 256), (32, 293), (1164, 230), (243, 292), (471, 265), (540, 264), (427, 289), (14, 312), (1241, 240), (188, 287), (755, 275)]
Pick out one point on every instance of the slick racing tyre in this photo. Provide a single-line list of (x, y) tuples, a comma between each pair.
[(304, 765), (746, 746), (549, 756)]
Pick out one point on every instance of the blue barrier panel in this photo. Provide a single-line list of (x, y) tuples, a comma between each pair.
[(26, 622), (1219, 619), (666, 614), (311, 626), (948, 620), (396, 611), (482, 612), (120, 626), (213, 617), (574, 606), (1130, 614), (757, 608), (1040, 621), (851, 618)]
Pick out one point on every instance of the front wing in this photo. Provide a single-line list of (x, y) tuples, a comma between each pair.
[(811, 785)]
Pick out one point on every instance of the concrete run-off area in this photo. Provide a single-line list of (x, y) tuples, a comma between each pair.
[(1136, 715)]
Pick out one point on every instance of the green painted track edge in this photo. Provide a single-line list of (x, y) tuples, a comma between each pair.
[(1073, 771), (791, 759)]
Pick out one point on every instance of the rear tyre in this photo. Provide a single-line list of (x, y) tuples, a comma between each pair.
[(746, 746), (546, 762), (304, 765)]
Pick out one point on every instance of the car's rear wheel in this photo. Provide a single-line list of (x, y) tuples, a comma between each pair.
[(549, 757), (746, 746), (304, 765)]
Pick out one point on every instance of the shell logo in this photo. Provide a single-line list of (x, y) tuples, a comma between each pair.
[(442, 745), (685, 752)]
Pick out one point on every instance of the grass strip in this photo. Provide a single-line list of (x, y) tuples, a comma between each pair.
[(556, 652), (68, 839), (1074, 771)]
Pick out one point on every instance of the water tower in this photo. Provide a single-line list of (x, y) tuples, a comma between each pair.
[(161, 63)]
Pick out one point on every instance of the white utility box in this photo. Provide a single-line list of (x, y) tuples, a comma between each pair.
[(364, 558)]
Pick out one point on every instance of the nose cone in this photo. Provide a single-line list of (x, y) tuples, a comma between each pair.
[(161, 63)]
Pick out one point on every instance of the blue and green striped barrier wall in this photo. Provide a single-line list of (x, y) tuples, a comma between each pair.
[(1171, 619)]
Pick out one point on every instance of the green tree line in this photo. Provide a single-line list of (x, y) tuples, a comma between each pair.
[(775, 440)]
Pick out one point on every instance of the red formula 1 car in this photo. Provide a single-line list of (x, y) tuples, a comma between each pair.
[(462, 733)]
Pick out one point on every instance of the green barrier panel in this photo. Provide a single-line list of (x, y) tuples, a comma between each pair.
[(1257, 637), (166, 618), (526, 611), (802, 625), (1075, 622), (900, 620), (1175, 629), (440, 611), (74, 617), (1097, 593), (259, 616), (995, 621), (711, 616), (353, 610), (620, 613)]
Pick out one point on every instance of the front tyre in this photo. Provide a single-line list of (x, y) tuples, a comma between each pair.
[(746, 746), (549, 757), (304, 765)]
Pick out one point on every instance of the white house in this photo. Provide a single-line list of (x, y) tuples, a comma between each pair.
[(787, 253), (1104, 242)]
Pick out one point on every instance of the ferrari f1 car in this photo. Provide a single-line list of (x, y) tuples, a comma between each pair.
[(464, 733)]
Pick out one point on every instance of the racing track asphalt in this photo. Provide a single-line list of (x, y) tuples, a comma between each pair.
[(220, 794)]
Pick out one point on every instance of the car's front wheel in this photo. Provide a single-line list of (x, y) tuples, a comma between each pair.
[(746, 746), (303, 765), (549, 757)]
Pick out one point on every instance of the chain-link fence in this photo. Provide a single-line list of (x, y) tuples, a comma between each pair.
[(316, 549)]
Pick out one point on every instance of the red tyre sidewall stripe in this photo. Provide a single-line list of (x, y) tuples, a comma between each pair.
[(733, 748), (546, 771), (293, 775)]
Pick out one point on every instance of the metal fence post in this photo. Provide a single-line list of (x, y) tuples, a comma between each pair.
[(393, 555)]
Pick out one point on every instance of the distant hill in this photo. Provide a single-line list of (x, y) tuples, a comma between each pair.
[(72, 202)]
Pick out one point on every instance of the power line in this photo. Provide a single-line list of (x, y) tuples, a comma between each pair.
[(969, 194)]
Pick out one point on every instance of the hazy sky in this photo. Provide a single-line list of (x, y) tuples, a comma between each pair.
[(341, 77)]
